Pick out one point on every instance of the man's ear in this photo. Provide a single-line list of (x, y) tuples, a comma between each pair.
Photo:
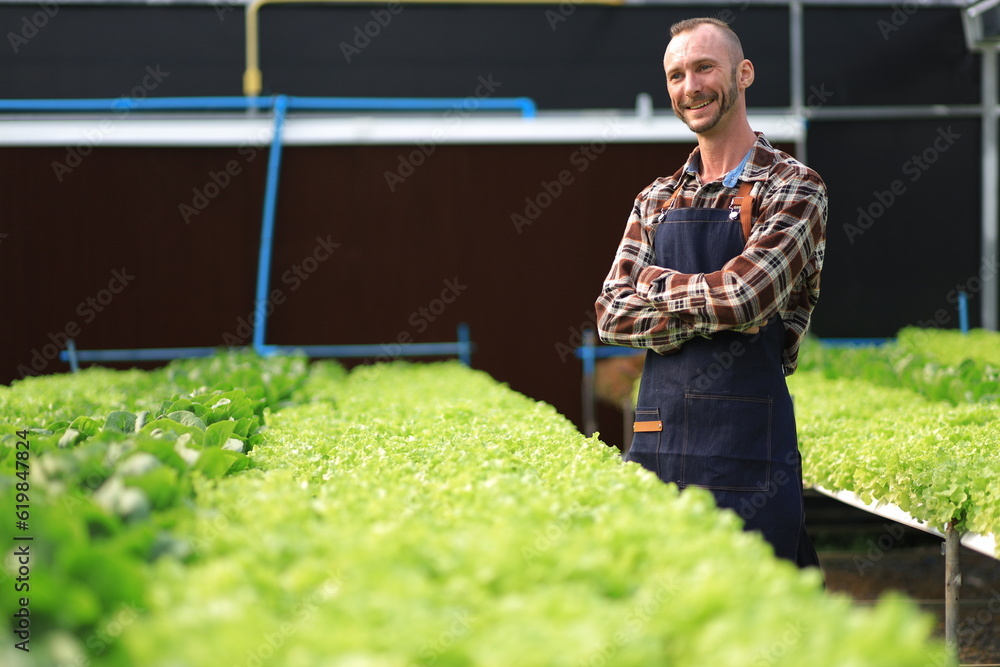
[(746, 74)]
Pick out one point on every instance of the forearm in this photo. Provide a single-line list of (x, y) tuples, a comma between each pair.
[(624, 318), (753, 286), (736, 297)]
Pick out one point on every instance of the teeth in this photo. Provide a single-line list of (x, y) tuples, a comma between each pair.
[(700, 106)]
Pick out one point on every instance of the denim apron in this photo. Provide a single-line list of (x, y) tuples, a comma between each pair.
[(717, 413)]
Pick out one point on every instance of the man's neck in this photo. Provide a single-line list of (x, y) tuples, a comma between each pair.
[(722, 154)]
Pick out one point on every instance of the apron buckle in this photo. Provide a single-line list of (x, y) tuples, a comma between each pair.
[(734, 209)]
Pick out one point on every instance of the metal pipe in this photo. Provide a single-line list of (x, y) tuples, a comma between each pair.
[(338, 351), (126, 104), (253, 79), (952, 584), (74, 363), (589, 353), (916, 112), (267, 225), (465, 346), (371, 351), (854, 342), (991, 173), (146, 354), (525, 105), (796, 46)]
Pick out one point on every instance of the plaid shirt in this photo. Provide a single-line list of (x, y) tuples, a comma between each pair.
[(648, 306)]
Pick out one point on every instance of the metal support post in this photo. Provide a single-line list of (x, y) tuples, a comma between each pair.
[(952, 584), (74, 363), (267, 226), (963, 312), (991, 173)]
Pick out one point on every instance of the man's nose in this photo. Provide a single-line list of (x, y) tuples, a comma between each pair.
[(692, 85)]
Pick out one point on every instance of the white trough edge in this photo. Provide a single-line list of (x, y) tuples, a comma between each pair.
[(984, 544), (314, 130)]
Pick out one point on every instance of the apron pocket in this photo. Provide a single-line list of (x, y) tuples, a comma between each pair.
[(726, 442)]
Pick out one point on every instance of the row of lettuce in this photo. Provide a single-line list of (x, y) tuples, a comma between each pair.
[(940, 364), (915, 423), (397, 516), (100, 465)]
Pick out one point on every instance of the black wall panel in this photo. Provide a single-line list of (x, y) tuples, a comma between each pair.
[(574, 57), (886, 56), (596, 57), (904, 226), (103, 51)]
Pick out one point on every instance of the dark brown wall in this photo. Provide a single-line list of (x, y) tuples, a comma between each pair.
[(526, 294)]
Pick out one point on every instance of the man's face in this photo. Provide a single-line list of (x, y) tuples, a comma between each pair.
[(701, 78)]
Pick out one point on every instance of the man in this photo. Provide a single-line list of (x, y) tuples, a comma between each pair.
[(717, 275)]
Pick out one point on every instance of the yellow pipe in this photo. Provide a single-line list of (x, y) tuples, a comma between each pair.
[(253, 81)]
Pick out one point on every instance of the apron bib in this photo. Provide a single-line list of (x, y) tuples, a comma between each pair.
[(717, 414)]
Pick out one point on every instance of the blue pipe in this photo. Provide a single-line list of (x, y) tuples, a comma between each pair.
[(963, 312), (854, 342), (525, 105), (462, 348), (125, 104), (148, 354), (316, 351), (74, 362), (359, 351), (267, 224), (464, 344), (588, 354), (605, 352)]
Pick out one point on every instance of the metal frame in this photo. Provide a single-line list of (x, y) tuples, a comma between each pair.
[(462, 347), (953, 539)]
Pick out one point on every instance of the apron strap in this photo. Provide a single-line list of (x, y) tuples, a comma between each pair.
[(741, 205), (677, 191)]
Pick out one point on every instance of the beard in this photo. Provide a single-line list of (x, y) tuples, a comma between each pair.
[(727, 100)]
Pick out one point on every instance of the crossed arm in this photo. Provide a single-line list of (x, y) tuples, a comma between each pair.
[(648, 306)]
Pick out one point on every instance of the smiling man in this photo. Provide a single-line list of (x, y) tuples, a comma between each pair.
[(717, 277)]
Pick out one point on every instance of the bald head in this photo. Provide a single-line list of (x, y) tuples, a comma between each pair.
[(731, 40), (707, 76)]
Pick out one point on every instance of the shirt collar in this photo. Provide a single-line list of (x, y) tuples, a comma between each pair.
[(759, 157), (732, 177)]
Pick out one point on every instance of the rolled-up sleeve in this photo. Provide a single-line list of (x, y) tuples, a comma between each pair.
[(623, 316), (644, 305), (753, 286)]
